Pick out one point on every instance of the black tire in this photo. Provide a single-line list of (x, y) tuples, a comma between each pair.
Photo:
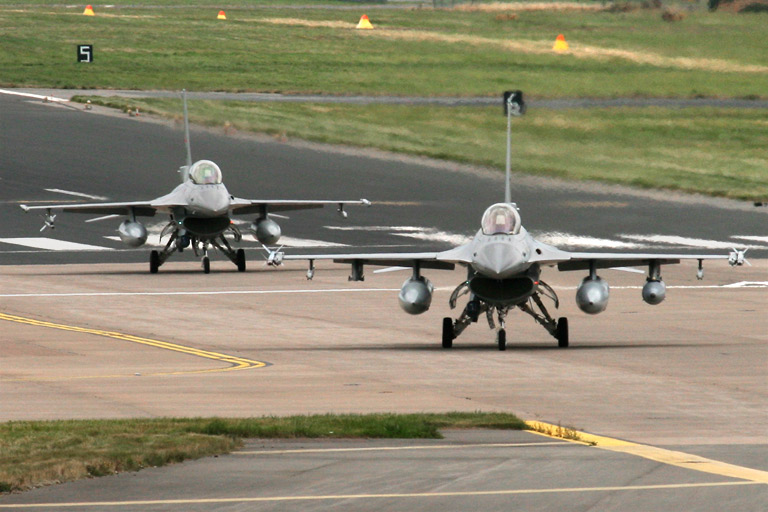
[(447, 332), (240, 260), (562, 332), (502, 339), (207, 265), (154, 262)]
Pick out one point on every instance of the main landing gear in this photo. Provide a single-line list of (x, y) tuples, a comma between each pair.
[(177, 243), (533, 306)]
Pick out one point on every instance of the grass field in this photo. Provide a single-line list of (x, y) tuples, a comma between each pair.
[(40, 453), (441, 53), (410, 52), (713, 151)]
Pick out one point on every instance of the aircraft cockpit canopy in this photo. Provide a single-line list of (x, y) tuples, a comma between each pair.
[(205, 172), (501, 219)]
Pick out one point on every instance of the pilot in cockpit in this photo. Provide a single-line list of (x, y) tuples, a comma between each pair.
[(501, 219), (205, 172)]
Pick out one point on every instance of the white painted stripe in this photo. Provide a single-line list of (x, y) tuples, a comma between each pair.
[(52, 244), (223, 292), (404, 448), (438, 236), (78, 194), (743, 284), (36, 96), (138, 504), (288, 241), (429, 234), (377, 228), (688, 242), (560, 239), (763, 239)]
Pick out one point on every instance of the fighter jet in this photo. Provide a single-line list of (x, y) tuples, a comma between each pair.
[(200, 211), (504, 265)]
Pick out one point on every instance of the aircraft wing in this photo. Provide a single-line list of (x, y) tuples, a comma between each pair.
[(139, 208), (258, 206), (585, 260), (401, 259)]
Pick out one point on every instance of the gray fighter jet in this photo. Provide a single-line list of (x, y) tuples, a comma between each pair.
[(504, 264), (200, 209)]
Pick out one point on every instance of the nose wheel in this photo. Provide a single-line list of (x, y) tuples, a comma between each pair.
[(561, 332), (448, 333), (501, 338), (154, 262)]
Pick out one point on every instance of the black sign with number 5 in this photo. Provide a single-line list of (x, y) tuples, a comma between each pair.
[(85, 53)]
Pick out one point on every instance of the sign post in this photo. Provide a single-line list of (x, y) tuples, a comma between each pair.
[(513, 106), (85, 53)]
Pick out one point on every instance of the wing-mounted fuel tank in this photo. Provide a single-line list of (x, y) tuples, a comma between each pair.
[(266, 230), (592, 295), (654, 291), (416, 295), (132, 233)]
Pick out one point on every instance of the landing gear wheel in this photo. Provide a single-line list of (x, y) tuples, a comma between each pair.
[(154, 262), (502, 339), (240, 260), (447, 332), (206, 265), (562, 332)]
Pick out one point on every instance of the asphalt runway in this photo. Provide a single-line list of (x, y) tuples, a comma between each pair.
[(90, 333)]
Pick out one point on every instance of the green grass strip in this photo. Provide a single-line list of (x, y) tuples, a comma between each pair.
[(37, 453), (712, 151)]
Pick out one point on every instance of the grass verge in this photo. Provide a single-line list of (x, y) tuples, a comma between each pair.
[(425, 52), (718, 152), (37, 453)]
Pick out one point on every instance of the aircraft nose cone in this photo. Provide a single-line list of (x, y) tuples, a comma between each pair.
[(213, 201), (498, 260)]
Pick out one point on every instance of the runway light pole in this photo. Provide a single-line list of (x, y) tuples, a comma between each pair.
[(513, 106)]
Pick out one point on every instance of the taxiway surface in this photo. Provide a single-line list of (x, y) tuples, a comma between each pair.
[(88, 332)]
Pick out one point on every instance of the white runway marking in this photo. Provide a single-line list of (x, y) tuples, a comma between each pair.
[(689, 242), (52, 244), (78, 194), (222, 292), (428, 234), (742, 284), (402, 448), (559, 239), (36, 96), (763, 239), (288, 241)]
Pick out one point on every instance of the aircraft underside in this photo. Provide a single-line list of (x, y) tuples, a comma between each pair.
[(201, 234), (519, 295)]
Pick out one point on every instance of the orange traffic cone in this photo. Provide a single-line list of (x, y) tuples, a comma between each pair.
[(88, 11), (561, 45), (221, 16), (364, 23)]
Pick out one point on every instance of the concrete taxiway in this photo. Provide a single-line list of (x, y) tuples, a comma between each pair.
[(88, 333), (114, 341)]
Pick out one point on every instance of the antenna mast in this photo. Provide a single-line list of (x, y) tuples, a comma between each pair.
[(186, 129), (513, 106)]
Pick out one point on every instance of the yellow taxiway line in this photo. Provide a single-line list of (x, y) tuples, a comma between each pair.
[(267, 499), (671, 457), (234, 362)]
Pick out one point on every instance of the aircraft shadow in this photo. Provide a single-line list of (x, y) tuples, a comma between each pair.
[(483, 347)]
